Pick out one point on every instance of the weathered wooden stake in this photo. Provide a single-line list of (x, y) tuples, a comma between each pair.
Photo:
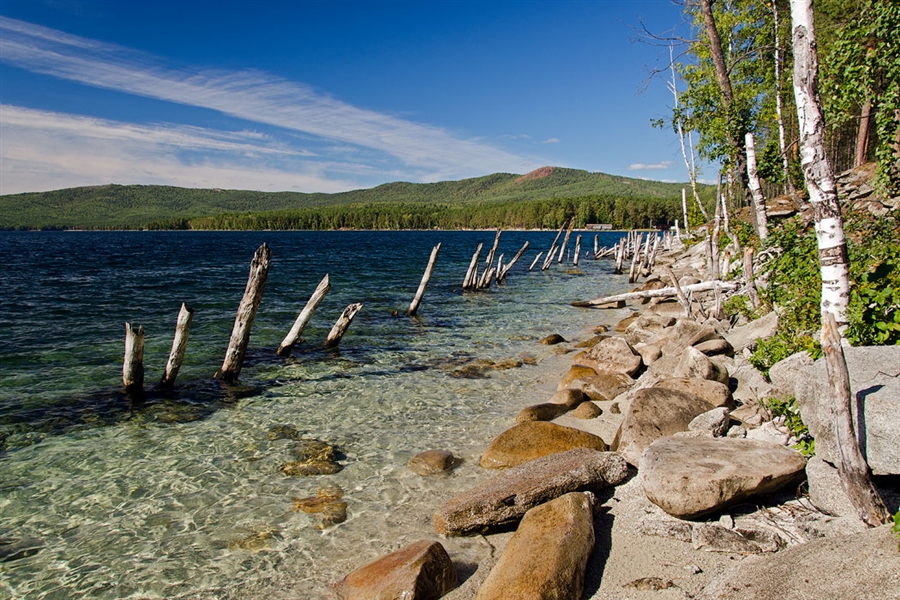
[(133, 365), (243, 322), (485, 278), (179, 343), (566, 239), (535, 261), (577, 249), (855, 476), (472, 272), (426, 277), (596, 245), (682, 299), (748, 278), (502, 274), (620, 256), (341, 325), (293, 336)]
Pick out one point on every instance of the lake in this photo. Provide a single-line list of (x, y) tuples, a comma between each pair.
[(108, 496)]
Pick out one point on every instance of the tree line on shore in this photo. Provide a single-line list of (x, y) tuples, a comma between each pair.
[(621, 213)]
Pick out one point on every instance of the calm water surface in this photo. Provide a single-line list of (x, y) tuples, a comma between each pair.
[(106, 496)]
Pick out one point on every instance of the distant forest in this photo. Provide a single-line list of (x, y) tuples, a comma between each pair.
[(542, 199), (621, 213)]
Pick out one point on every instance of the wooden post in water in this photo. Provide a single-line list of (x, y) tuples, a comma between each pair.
[(179, 343), (552, 251), (577, 249), (426, 277), (535, 261), (243, 322), (485, 277), (596, 245), (566, 239), (502, 274), (472, 273), (133, 366), (341, 325), (620, 256), (293, 336)]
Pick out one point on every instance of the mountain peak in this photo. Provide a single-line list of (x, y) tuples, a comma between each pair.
[(538, 173)]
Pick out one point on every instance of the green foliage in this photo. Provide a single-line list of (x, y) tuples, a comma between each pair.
[(780, 346), (787, 408), (861, 64), (875, 282), (896, 527), (546, 202)]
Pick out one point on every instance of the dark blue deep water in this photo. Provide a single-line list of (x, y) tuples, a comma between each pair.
[(110, 496)]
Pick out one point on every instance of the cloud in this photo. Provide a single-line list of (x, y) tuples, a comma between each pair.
[(44, 150), (660, 166), (551, 141), (427, 152)]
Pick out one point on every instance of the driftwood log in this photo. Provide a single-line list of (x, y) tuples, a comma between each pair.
[(854, 472), (243, 322), (179, 343), (472, 272), (703, 286), (293, 336)]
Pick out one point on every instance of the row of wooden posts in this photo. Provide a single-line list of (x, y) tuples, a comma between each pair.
[(133, 369)]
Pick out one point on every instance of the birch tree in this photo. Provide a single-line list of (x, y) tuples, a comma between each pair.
[(834, 265)]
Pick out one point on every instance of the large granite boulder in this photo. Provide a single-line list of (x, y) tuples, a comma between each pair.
[(547, 557), (694, 363), (655, 413), (614, 355), (875, 393), (863, 565), (692, 477), (422, 571), (714, 392), (573, 378), (746, 335), (506, 497), (684, 334), (784, 373), (546, 411), (606, 386), (533, 439)]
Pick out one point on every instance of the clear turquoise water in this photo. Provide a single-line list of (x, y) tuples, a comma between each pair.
[(103, 496)]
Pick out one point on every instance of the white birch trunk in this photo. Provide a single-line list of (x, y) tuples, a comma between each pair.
[(820, 183), (759, 202)]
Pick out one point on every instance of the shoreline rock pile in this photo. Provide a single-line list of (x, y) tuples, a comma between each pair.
[(666, 414)]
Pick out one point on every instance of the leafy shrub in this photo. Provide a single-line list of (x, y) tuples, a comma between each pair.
[(787, 408), (875, 286)]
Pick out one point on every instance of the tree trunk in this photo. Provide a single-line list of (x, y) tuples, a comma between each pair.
[(133, 365), (862, 134), (854, 472), (759, 202), (179, 343), (718, 58), (703, 286), (785, 163), (293, 336), (832, 244), (243, 322)]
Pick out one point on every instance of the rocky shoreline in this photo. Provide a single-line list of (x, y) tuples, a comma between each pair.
[(656, 471)]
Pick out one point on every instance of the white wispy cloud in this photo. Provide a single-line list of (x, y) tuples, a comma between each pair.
[(551, 141), (660, 166), (44, 150), (427, 152)]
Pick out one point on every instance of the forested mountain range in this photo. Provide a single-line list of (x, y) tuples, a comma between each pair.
[(538, 199)]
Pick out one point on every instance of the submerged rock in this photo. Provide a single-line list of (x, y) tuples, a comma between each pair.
[(314, 457), (432, 462)]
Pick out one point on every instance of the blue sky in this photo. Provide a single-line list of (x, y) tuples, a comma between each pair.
[(328, 96)]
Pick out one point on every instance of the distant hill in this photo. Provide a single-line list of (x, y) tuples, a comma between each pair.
[(136, 206)]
